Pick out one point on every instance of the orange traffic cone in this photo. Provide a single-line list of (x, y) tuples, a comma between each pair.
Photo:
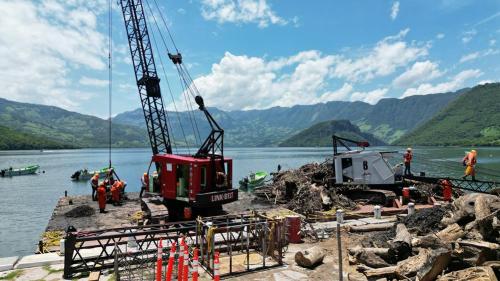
[(195, 265), (180, 260), (171, 261), (185, 273), (216, 267), (159, 263)]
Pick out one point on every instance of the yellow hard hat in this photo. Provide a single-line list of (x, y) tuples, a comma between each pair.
[(473, 151), (96, 174), (145, 174), (409, 149)]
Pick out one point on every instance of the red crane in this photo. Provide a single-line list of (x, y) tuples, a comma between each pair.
[(201, 182)]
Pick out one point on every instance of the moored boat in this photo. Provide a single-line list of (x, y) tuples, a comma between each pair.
[(28, 170), (85, 175), (253, 180)]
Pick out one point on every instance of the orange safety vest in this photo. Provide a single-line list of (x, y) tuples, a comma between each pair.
[(115, 192), (407, 157), (470, 159), (101, 196)]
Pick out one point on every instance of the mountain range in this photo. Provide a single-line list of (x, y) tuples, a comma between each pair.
[(468, 116), (321, 133), (388, 120), (34, 126), (471, 119)]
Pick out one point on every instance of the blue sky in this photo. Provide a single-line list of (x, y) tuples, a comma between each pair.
[(248, 54)]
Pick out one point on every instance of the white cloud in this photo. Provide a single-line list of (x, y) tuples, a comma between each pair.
[(476, 55), (388, 55), (421, 71), (440, 36), (492, 42), (487, 19), (455, 83), (181, 11), (394, 10), (468, 35), (371, 97), (94, 82), (240, 11), (242, 82), (468, 57), (337, 95), (50, 39), (308, 77), (482, 82)]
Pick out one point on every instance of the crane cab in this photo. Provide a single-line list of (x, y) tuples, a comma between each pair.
[(184, 180)]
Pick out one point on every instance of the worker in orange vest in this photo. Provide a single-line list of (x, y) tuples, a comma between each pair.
[(145, 184), (101, 197), (407, 157), (115, 192), (447, 189), (470, 161), (94, 182)]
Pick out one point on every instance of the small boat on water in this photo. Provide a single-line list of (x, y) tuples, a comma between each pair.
[(85, 175), (10, 172), (253, 180)]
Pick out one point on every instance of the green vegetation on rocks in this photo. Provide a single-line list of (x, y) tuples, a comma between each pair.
[(321, 134), (13, 140), (41, 126), (472, 119)]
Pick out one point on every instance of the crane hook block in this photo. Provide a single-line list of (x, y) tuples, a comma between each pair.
[(176, 59), (199, 101)]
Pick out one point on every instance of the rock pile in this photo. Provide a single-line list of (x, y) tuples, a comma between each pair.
[(433, 244)]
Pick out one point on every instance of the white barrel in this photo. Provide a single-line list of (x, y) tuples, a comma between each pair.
[(62, 244), (340, 216), (411, 208), (377, 212)]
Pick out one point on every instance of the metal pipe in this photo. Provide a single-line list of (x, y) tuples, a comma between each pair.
[(339, 246)]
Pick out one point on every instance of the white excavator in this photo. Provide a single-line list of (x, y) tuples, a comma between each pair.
[(365, 174)]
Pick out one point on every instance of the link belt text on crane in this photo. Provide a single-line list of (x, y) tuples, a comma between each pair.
[(221, 197)]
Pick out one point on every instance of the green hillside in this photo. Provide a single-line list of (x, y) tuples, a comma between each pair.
[(58, 126), (321, 134), (472, 119), (12, 140), (388, 120)]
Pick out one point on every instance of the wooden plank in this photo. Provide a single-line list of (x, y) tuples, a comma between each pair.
[(94, 276)]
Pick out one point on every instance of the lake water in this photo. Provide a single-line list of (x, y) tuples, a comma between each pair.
[(26, 202)]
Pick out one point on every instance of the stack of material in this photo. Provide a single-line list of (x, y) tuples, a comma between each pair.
[(303, 190), (466, 237)]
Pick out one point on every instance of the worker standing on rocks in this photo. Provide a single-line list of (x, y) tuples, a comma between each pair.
[(144, 184), (407, 157), (470, 161), (94, 182), (101, 197)]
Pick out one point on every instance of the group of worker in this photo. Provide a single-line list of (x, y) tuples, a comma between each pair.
[(469, 161), (100, 190)]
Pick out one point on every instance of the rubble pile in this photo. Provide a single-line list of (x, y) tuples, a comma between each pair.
[(303, 190), (80, 211), (426, 220), (437, 244)]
